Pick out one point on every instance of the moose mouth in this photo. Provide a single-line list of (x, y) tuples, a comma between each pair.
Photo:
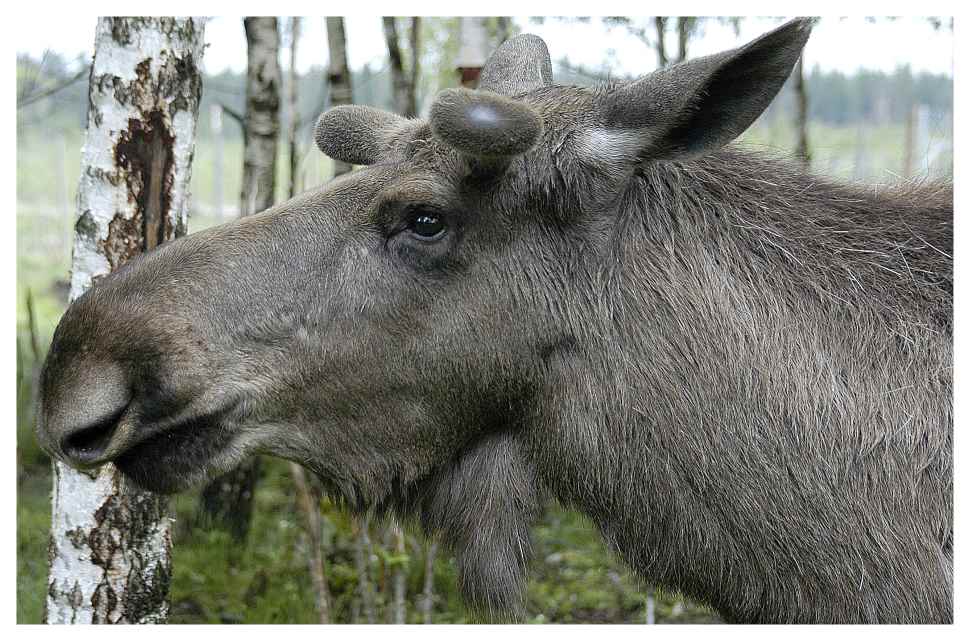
[(180, 456)]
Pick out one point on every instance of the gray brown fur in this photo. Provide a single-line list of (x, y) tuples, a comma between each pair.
[(741, 372)]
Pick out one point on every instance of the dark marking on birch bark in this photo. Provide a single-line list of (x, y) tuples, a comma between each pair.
[(145, 156), (85, 225), (146, 152), (77, 598), (104, 602), (123, 240), (182, 79), (76, 537)]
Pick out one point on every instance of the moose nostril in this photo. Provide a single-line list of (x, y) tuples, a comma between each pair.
[(88, 445)]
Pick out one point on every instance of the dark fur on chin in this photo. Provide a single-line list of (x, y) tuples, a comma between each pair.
[(482, 506)]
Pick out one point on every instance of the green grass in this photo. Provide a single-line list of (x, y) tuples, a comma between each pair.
[(573, 579), (33, 524)]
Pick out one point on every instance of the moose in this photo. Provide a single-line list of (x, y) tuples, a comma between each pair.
[(741, 372)]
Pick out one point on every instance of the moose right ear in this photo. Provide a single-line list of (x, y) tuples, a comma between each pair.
[(701, 105)]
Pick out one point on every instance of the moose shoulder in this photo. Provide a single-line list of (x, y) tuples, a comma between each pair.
[(741, 372)]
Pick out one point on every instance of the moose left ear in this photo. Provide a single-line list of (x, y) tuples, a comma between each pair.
[(357, 134), (701, 105)]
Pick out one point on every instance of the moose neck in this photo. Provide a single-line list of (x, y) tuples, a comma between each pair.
[(747, 317)]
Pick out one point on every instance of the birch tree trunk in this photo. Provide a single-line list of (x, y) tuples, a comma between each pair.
[(261, 125), (110, 547), (338, 76)]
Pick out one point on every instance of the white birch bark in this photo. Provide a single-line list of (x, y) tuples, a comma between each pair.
[(261, 127), (110, 547)]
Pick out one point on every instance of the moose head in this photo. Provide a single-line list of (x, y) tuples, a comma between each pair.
[(448, 331)]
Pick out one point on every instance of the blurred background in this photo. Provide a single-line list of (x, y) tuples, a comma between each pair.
[(871, 101)]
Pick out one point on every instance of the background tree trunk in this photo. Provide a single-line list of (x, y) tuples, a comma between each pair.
[(427, 597), (399, 576), (415, 71), (110, 547), (403, 82), (399, 80), (227, 501), (262, 119), (294, 108), (802, 151), (362, 555), (338, 76), (308, 495), (685, 28), (660, 23)]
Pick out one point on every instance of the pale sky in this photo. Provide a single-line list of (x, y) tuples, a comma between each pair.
[(844, 44)]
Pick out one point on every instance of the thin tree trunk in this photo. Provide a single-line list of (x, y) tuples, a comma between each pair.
[(399, 81), (684, 27), (292, 95), (262, 119), (399, 575), (226, 502), (802, 151), (309, 499), (415, 71), (362, 554), (427, 600), (110, 547), (338, 76), (660, 23)]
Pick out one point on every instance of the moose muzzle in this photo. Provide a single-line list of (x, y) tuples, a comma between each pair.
[(82, 417)]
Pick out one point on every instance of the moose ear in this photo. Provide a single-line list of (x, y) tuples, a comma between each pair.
[(357, 134), (484, 124), (520, 65), (701, 105)]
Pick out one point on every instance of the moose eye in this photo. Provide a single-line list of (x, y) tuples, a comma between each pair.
[(426, 225)]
